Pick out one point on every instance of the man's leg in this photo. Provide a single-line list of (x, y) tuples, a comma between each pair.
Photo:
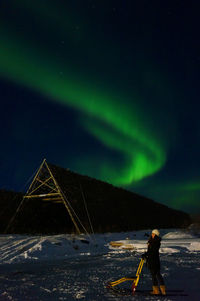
[(160, 278), (155, 283), (162, 284)]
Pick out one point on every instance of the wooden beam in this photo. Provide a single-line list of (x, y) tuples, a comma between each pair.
[(37, 173), (41, 195), (52, 199), (65, 201), (43, 183)]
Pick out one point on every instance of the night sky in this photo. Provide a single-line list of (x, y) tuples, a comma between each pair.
[(108, 89)]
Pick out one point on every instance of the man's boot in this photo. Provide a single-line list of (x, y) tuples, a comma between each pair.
[(155, 290), (163, 289)]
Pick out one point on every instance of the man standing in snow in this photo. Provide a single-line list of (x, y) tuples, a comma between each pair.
[(153, 262)]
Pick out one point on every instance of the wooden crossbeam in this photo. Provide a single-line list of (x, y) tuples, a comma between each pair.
[(45, 183), (42, 184), (53, 200), (41, 195)]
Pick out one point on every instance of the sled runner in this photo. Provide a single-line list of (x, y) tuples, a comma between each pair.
[(128, 292), (169, 293), (134, 279)]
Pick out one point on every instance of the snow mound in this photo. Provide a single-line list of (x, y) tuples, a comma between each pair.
[(194, 246), (177, 235), (169, 250)]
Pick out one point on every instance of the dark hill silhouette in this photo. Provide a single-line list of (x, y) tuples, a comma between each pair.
[(9, 201), (111, 209)]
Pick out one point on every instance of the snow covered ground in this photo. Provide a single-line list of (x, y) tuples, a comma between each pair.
[(67, 267)]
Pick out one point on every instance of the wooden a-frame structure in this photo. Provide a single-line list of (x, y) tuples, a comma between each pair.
[(45, 188)]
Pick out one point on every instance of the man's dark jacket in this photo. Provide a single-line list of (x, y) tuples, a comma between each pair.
[(152, 254)]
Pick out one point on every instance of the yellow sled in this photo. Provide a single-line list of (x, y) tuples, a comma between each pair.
[(134, 280)]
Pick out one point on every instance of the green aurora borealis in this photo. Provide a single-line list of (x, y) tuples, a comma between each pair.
[(119, 95)]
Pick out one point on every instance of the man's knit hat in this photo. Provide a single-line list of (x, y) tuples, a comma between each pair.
[(155, 231)]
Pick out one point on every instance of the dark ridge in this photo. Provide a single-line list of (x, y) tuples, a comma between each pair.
[(9, 201), (111, 209)]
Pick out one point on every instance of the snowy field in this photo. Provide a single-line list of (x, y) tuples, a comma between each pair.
[(65, 267)]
